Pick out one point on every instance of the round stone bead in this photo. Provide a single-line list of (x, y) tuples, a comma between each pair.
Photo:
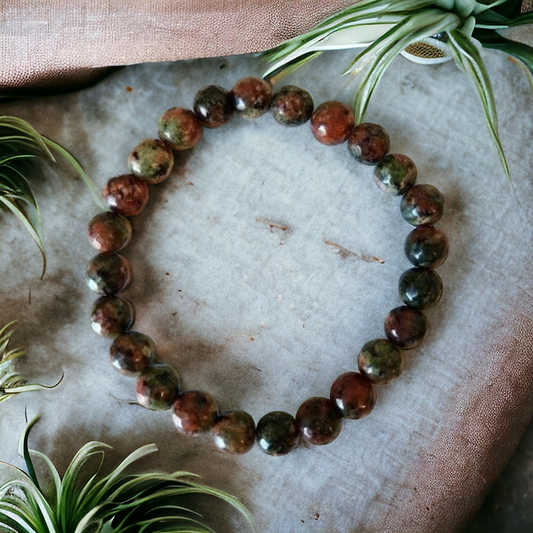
[(292, 106), (332, 123), (319, 421), (234, 432), (426, 246), (109, 232), (395, 174), (126, 195), (108, 273), (422, 204), (213, 106), (151, 160), (112, 315), (420, 288), (194, 412), (180, 128), (277, 433), (131, 353), (406, 327), (380, 361), (157, 387), (353, 395), (251, 97), (369, 143)]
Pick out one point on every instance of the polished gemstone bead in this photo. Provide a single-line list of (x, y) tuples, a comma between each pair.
[(292, 106), (426, 246), (109, 232), (131, 353), (353, 395), (277, 433), (251, 97), (332, 123), (151, 160), (180, 128), (369, 143), (406, 327), (194, 412), (213, 106), (380, 361), (395, 174), (422, 204), (108, 273), (126, 195), (234, 432), (319, 421), (420, 288), (157, 387), (112, 315)]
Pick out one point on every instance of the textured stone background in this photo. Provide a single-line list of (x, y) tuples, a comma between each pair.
[(210, 277)]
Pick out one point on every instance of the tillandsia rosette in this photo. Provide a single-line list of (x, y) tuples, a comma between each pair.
[(385, 28), (86, 501)]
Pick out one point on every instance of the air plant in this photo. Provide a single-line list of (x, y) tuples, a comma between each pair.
[(11, 382), (386, 27), (20, 146), (84, 500)]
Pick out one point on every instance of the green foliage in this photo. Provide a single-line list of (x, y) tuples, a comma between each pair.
[(112, 503), (20, 146), (386, 27)]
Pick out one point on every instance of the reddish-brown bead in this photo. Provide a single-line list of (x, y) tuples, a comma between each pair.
[(213, 106), (406, 327), (369, 143), (180, 128), (126, 195), (131, 353), (353, 395), (194, 412), (292, 106), (109, 232), (319, 421), (332, 123), (251, 97), (234, 432)]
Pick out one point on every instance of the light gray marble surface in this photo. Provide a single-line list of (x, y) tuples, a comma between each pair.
[(265, 319)]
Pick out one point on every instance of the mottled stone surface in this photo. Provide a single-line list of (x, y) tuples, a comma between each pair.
[(422, 204), (151, 160), (234, 432), (420, 288), (157, 387), (251, 97), (213, 106), (354, 395), (131, 353), (194, 412), (332, 122), (380, 361), (319, 421), (406, 327), (108, 273), (180, 128), (109, 232), (292, 106), (277, 433), (426, 246), (395, 174), (126, 195), (112, 315), (369, 143)]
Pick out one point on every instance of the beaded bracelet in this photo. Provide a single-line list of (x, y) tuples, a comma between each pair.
[(380, 361)]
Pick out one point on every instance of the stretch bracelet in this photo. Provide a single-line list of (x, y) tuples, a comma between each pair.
[(380, 361)]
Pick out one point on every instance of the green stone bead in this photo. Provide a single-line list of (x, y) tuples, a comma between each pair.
[(180, 128), (131, 353), (234, 432), (420, 288), (319, 421), (395, 174), (277, 433), (157, 387), (151, 160), (422, 204), (426, 246), (108, 273), (380, 361), (112, 315)]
